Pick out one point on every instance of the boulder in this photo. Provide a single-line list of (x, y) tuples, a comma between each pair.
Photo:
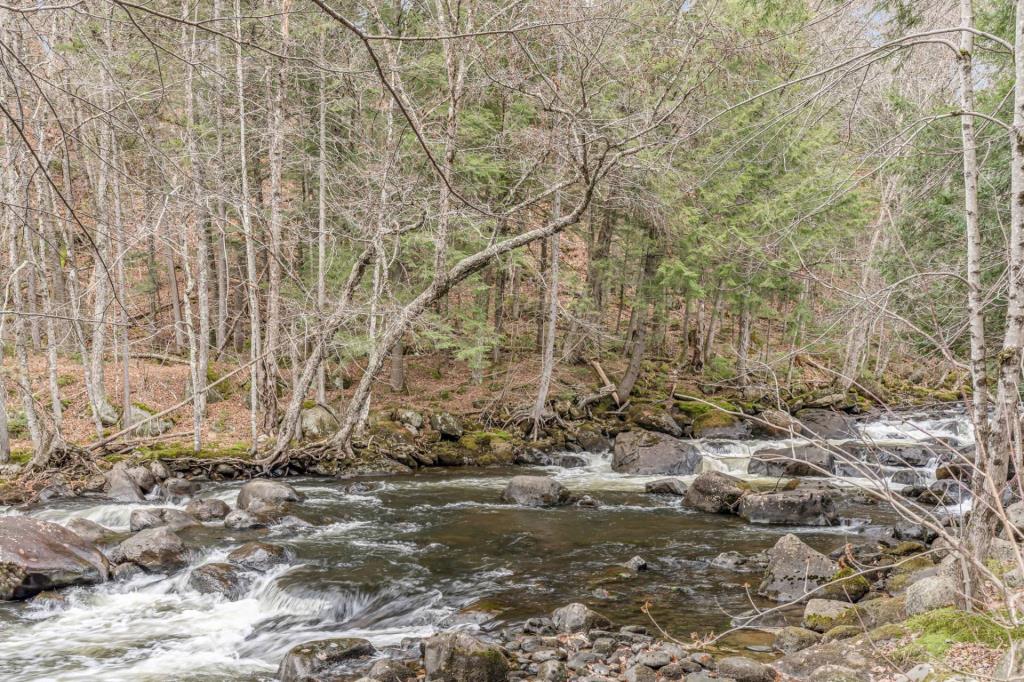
[(715, 493), (593, 441), (821, 615), (648, 452), (776, 423), (654, 418), (159, 470), (666, 486), (107, 413), (578, 617), (408, 418), (263, 491), (459, 657), (825, 424), (789, 508), (744, 670), (801, 460), (174, 519), (36, 556), (933, 592), (945, 492), (142, 477), (790, 639), (536, 491), (120, 486), (154, 549), (224, 579), (794, 569), (90, 531), (734, 561), (639, 673), (390, 670), (449, 426), (144, 425), (318, 422), (178, 489), (316, 661), (717, 423), (1015, 517), (240, 519), (259, 556), (208, 509)]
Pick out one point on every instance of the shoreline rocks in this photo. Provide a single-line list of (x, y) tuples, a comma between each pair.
[(652, 453), (36, 556)]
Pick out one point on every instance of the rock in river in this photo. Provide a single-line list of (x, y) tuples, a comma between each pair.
[(715, 493), (789, 508), (578, 618), (649, 452), (314, 661), (220, 578), (459, 657), (153, 549), (121, 486), (262, 491), (666, 486), (259, 556), (37, 555), (536, 491), (208, 509), (801, 460), (175, 519), (794, 569)]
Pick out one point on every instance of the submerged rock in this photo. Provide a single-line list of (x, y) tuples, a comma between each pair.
[(649, 452), (36, 556), (666, 486), (578, 617), (536, 491), (794, 569), (715, 493), (315, 661), (220, 578), (261, 491), (789, 508), (174, 519), (259, 556), (153, 549), (459, 657)]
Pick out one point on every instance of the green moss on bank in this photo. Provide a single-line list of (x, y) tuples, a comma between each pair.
[(940, 629)]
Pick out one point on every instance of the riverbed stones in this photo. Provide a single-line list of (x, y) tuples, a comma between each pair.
[(90, 531), (318, 660), (592, 440), (744, 670), (178, 489), (666, 486), (578, 617), (318, 422), (156, 550), (945, 492), (208, 509), (791, 638), (821, 615), (36, 556), (801, 460), (536, 491), (654, 418), (652, 453), (259, 556), (933, 592), (818, 423), (776, 423), (120, 486), (794, 569), (240, 519), (174, 519), (715, 493), (142, 477), (640, 673), (460, 657), (261, 492), (220, 578), (789, 508)]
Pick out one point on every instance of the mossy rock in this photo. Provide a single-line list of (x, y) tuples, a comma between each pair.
[(714, 419), (888, 632), (846, 586), (907, 548), (696, 408), (936, 631), (876, 612), (842, 632)]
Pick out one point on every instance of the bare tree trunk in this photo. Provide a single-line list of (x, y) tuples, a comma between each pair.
[(743, 344), (548, 358), (321, 238), (122, 332), (179, 323)]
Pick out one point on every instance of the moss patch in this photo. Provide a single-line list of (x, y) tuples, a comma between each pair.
[(938, 630), (695, 408), (846, 585), (176, 450)]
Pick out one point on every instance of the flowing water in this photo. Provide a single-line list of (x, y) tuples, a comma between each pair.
[(409, 556)]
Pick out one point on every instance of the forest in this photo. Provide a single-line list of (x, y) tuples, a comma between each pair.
[(487, 340)]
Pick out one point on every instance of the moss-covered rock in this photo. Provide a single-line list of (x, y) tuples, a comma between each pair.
[(846, 585), (936, 631)]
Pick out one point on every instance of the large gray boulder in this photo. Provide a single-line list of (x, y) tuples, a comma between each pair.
[(536, 491), (715, 493), (459, 657), (143, 478), (175, 519), (316, 661), (157, 550), (37, 555), (666, 486), (821, 615), (649, 452), (654, 418), (256, 495), (933, 592), (147, 429), (227, 580), (90, 531), (448, 425), (318, 422), (121, 486), (776, 423), (578, 617), (208, 509), (801, 460), (819, 423), (744, 669), (789, 508), (794, 569), (259, 556)]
